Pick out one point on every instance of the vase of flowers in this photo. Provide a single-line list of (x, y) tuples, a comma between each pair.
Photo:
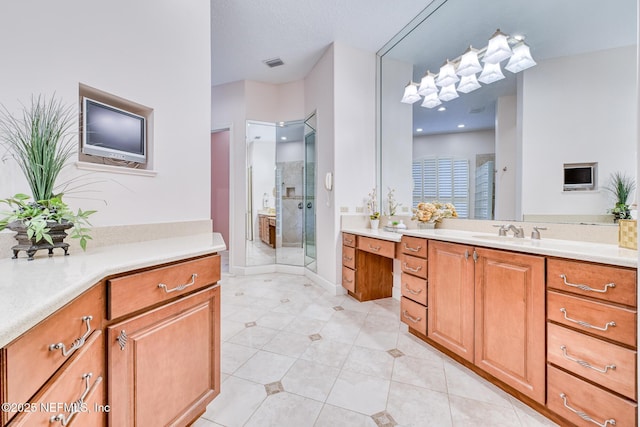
[(372, 208), (429, 214), (620, 186), (41, 141)]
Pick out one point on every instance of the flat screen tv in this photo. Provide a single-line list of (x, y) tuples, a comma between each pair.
[(113, 133)]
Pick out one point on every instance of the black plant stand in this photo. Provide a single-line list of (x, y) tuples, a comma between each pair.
[(30, 246)]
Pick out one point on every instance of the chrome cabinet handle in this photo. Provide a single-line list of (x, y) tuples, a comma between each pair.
[(584, 362), (77, 343), (415, 270), (409, 248), (180, 287), (347, 280), (408, 316), (411, 291), (78, 405), (375, 248), (347, 258), (585, 324), (122, 339), (587, 288), (349, 241), (584, 415)]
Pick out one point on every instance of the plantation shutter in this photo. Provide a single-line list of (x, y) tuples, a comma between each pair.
[(444, 179)]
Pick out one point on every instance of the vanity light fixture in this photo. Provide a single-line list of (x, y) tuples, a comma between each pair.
[(467, 66), (410, 94)]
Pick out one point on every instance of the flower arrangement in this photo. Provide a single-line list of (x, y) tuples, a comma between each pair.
[(392, 203), (433, 212), (372, 205)]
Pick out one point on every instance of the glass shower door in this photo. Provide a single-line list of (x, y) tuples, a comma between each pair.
[(310, 193)]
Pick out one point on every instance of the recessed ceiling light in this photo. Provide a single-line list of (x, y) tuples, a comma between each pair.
[(281, 124), (461, 125), (419, 130), (442, 109), (283, 138)]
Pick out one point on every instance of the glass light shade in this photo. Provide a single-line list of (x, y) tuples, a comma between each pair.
[(427, 85), (498, 49), (491, 73), (521, 59), (447, 93), (468, 84), (447, 75), (410, 94), (469, 63), (431, 101)]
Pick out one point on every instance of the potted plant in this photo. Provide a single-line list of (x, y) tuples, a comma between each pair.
[(372, 207), (41, 141), (621, 186)]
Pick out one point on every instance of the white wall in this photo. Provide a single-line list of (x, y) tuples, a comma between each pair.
[(507, 163), (155, 53), (576, 127)]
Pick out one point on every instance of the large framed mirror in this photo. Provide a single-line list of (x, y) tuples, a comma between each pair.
[(499, 152)]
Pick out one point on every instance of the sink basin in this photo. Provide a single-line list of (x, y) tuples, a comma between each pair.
[(510, 239)]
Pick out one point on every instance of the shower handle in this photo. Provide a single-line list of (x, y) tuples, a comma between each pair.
[(300, 205)]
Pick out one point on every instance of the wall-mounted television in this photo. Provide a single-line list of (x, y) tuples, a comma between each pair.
[(111, 132), (580, 176)]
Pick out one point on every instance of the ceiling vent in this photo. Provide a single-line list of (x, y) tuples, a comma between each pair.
[(273, 62), (477, 110)]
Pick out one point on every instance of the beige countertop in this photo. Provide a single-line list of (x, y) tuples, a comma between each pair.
[(584, 251), (32, 290)]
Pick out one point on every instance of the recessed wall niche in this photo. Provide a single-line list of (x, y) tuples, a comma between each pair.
[(105, 163)]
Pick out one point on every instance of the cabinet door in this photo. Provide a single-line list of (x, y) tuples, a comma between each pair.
[(450, 296), (168, 367), (510, 319)]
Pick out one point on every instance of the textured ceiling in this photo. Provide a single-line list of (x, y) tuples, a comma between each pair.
[(244, 33)]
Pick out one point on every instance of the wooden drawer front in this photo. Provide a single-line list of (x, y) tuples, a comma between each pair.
[(415, 246), (414, 315), (136, 291), (383, 248), (604, 363), (567, 394), (609, 283), (414, 288), (414, 265), (84, 377), (349, 239), (349, 257), (604, 320), (348, 279), (30, 361)]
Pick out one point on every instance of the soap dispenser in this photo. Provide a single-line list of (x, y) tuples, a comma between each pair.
[(401, 225)]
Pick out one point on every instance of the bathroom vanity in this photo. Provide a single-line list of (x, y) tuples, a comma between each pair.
[(552, 322), (126, 335)]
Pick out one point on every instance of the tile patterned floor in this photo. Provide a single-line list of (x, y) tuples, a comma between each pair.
[(293, 355)]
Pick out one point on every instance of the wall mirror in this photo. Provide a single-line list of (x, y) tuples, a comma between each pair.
[(507, 141), (277, 200)]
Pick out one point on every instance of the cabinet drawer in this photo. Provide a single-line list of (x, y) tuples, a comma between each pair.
[(349, 239), (30, 360), (604, 363), (133, 292), (383, 248), (348, 279), (414, 315), (414, 265), (349, 257), (608, 283), (567, 394), (604, 320), (415, 246), (82, 377), (414, 288)]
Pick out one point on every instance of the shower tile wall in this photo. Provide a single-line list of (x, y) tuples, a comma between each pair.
[(292, 191)]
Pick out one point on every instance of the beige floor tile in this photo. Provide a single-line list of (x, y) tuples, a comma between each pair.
[(333, 416), (288, 344), (327, 352), (359, 393), (464, 383), (474, 413), (415, 406), (285, 410), (425, 373), (264, 367), (232, 356), (367, 361), (238, 399), (310, 379)]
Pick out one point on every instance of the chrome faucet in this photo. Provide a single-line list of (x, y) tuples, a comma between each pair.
[(517, 231), (535, 234)]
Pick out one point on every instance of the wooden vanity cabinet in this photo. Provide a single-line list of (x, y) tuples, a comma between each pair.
[(367, 267), (487, 306)]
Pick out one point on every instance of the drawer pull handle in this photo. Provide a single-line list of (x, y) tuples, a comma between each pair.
[(78, 405), (122, 339), (584, 415), (415, 270), (587, 288), (584, 362), (181, 287), (348, 241), (409, 248), (585, 324), (375, 248), (347, 280), (347, 258), (77, 343), (408, 316), (411, 291)]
